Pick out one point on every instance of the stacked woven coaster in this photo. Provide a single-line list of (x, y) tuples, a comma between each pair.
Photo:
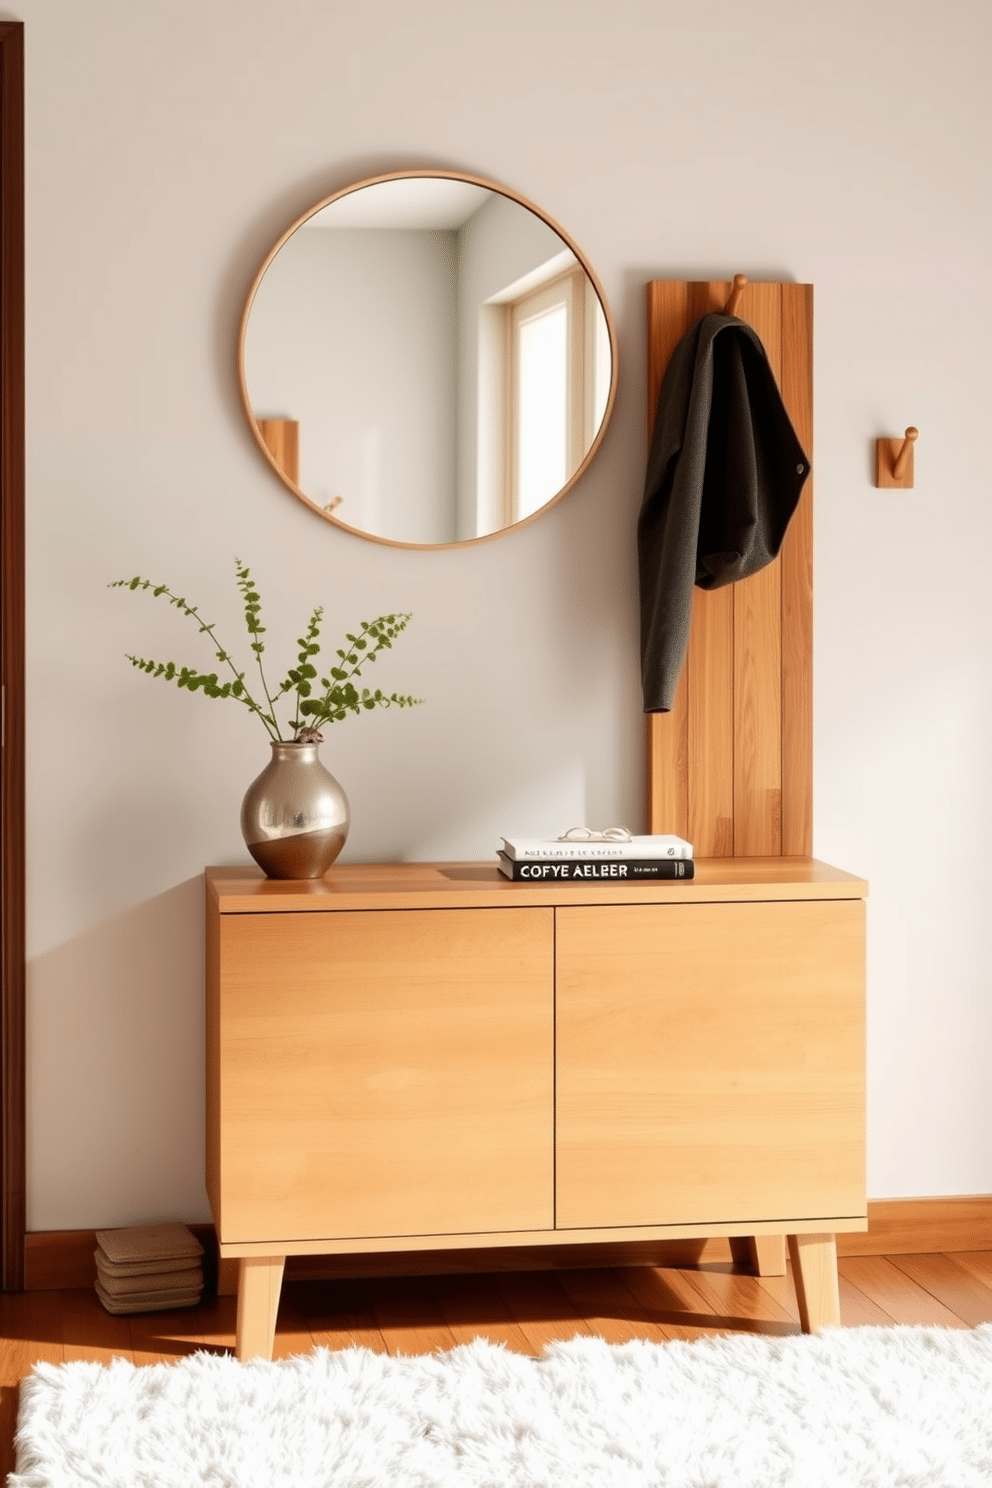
[(149, 1268)]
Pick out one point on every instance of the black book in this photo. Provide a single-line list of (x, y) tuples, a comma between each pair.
[(593, 870)]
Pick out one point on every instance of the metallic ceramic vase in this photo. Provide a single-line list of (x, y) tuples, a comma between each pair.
[(294, 817)]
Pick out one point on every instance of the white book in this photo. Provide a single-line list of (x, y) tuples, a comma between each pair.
[(657, 846)]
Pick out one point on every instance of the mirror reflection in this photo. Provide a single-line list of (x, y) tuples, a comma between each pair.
[(426, 360)]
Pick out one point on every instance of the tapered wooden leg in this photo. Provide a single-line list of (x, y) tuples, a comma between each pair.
[(259, 1285), (814, 1271), (762, 1255)]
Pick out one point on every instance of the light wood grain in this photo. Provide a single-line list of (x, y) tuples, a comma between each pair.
[(608, 1308), (978, 1263), (175, 1334), (550, 1257), (711, 734), (668, 765), (917, 1226), (672, 1304), (757, 641), (968, 1296), (710, 1063), (371, 1246), (381, 886), (340, 1315), (89, 1331), (28, 1335), (542, 1308), (857, 1310), (736, 292), (408, 1317), (212, 997), (814, 1271), (707, 680), (903, 463), (59, 1259), (470, 1303), (292, 1335), (758, 714), (63, 1259), (761, 307), (747, 1303), (895, 465), (763, 1255), (258, 1305), (385, 1076), (733, 760), (902, 1298), (797, 582)]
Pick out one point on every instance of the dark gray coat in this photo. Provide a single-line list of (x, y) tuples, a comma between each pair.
[(724, 476)]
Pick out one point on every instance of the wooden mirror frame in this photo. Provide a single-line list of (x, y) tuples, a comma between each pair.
[(280, 451)]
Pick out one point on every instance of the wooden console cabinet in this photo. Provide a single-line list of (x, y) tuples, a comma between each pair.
[(427, 1056)]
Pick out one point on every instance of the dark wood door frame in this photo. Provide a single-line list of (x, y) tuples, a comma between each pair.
[(12, 1153)]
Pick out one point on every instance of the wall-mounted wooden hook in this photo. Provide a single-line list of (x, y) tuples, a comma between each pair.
[(894, 461), (736, 290)]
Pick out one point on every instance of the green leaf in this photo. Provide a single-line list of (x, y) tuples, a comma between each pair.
[(339, 697)]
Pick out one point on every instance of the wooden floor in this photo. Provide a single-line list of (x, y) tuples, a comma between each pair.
[(524, 1310)]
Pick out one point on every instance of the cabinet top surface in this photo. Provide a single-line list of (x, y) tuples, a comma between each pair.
[(241, 890)]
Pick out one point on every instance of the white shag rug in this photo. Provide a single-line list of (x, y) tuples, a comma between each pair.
[(864, 1406)]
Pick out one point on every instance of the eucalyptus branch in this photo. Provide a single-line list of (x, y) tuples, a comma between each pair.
[(238, 689), (340, 696), (299, 678), (191, 680), (348, 700), (254, 627)]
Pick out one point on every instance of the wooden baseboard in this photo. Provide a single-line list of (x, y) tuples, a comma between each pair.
[(64, 1258), (923, 1227), (61, 1259)]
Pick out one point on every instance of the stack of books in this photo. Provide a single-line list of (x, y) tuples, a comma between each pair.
[(148, 1269), (597, 858)]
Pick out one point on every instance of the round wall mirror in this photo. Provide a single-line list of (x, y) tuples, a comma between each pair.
[(425, 359)]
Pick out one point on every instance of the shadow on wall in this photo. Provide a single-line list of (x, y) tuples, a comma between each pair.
[(115, 1070)]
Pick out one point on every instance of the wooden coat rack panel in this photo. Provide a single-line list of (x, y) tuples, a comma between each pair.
[(731, 766)]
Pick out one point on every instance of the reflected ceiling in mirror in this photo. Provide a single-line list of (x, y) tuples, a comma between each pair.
[(427, 359)]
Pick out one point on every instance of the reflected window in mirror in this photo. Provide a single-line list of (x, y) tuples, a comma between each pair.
[(558, 353), (543, 397), (438, 350)]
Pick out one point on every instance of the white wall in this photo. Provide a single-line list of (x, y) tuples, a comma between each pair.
[(842, 143)]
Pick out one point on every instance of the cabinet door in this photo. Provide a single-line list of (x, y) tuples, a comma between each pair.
[(710, 1063), (385, 1073)]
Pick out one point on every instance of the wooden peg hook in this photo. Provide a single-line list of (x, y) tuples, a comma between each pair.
[(894, 460), (901, 465), (736, 290)]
